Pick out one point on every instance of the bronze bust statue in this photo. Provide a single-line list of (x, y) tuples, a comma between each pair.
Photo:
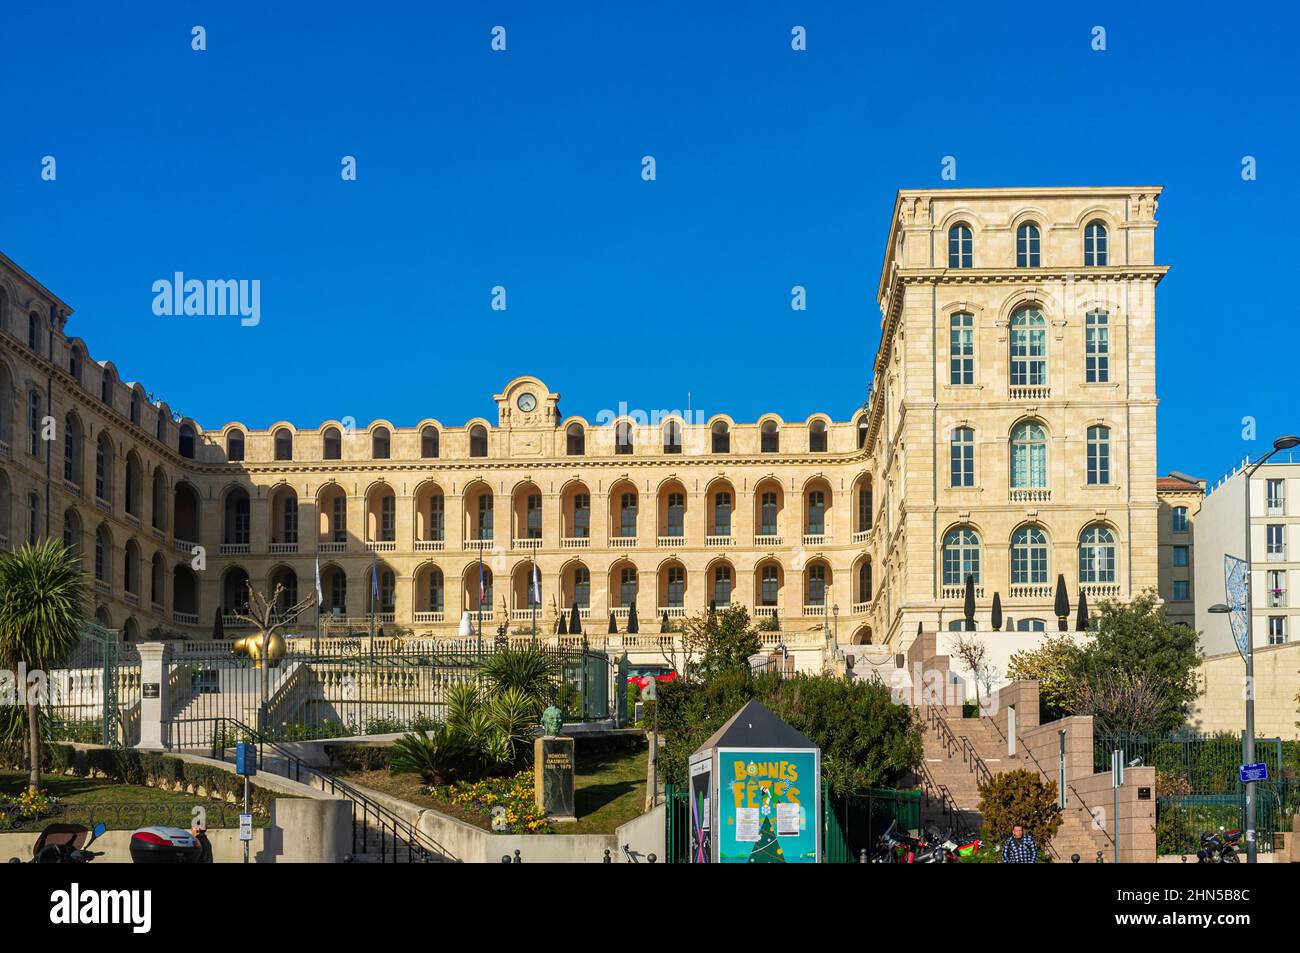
[(552, 721)]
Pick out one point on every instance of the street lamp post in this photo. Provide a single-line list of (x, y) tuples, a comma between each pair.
[(1248, 742)]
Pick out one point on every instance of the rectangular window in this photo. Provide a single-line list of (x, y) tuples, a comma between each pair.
[(535, 516), (963, 457), (437, 518), (1182, 590), (816, 513), (627, 515), (1097, 348), (291, 521), (340, 519), (1276, 588), (1180, 519), (767, 521), (864, 510), (722, 514), (676, 514), (676, 586), (581, 588), (581, 515), (816, 585), (485, 517), (627, 586), (1098, 456), (1181, 555), (961, 348), (771, 586), (1276, 542), (1274, 498), (388, 519), (1276, 629)]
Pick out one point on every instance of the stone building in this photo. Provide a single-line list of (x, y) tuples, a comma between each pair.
[(1009, 435), (1180, 500)]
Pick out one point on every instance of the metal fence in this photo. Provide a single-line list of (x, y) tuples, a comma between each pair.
[(348, 688), (851, 823), (1198, 788), (95, 697)]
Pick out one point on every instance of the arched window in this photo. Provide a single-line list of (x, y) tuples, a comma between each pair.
[(582, 587), (1180, 519), (864, 582), (380, 444), (960, 246), (769, 585), (478, 441), (135, 407), (283, 444), (623, 437), (71, 529), (103, 469), (862, 432), (816, 595), (1028, 456), (1028, 556), (675, 579), (961, 556), (185, 442), (961, 452), (575, 440), (333, 444), (720, 437), (72, 450), (770, 438), (817, 436), (103, 555), (429, 444), (1098, 456), (1027, 246), (106, 387), (160, 430), (1097, 555), (34, 332), (673, 437), (1094, 245), (437, 592), (75, 363), (1028, 348), (235, 445)]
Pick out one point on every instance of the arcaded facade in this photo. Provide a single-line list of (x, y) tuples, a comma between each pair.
[(1009, 435)]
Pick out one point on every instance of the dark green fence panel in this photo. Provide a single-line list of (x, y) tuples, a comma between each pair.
[(854, 822), (677, 821)]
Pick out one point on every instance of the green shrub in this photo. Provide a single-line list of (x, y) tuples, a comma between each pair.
[(358, 757), (532, 671), (1019, 797)]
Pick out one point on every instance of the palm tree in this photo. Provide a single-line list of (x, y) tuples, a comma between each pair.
[(42, 610)]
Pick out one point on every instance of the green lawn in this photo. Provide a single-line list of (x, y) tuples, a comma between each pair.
[(609, 790), (122, 807)]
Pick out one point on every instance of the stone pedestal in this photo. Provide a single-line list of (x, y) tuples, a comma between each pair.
[(155, 706), (553, 768)]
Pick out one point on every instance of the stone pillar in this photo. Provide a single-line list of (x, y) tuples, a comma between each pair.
[(154, 703)]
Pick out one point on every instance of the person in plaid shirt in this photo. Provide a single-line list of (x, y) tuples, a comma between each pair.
[(1020, 847)]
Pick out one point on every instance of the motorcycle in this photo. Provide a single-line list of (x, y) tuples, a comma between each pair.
[(1219, 849), (65, 844)]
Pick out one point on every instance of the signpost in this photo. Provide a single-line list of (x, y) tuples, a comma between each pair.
[(246, 767)]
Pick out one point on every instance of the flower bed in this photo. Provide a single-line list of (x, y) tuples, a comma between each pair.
[(29, 806), (513, 794)]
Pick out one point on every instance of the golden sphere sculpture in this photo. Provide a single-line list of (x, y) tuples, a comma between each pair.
[(251, 645)]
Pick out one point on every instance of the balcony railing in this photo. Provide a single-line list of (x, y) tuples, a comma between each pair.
[(428, 618), (767, 539), (478, 545), (814, 611), (861, 535), (234, 549), (1277, 598), (430, 545), (671, 542), (231, 621), (1100, 590), (131, 597), (1031, 495), (1032, 590), (575, 542), (584, 612), (71, 487), (1030, 392), (527, 542), (332, 546), (860, 608), (283, 549), (622, 542), (1275, 507), (381, 545), (718, 540), (767, 612), (815, 539), (673, 612), (185, 618), (959, 592)]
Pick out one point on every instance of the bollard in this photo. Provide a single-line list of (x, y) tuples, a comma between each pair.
[(1074, 858), (650, 858), (862, 857), (516, 856), (1099, 858), (607, 859), (505, 858)]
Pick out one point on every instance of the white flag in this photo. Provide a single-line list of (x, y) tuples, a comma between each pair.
[(537, 587), (320, 596)]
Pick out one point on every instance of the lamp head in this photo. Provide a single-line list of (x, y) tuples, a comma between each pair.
[(1219, 608), (1286, 442)]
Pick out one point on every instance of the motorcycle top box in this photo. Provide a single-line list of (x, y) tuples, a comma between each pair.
[(164, 845)]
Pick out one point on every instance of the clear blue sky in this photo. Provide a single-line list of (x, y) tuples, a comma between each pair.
[(523, 169)]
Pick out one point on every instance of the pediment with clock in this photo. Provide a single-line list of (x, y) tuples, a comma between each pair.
[(527, 403)]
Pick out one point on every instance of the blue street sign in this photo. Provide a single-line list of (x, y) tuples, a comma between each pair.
[(1254, 772), (245, 759)]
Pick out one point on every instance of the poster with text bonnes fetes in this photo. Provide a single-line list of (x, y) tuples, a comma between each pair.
[(768, 807)]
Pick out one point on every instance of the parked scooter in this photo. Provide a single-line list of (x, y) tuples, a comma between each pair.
[(1219, 848), (65, 844)]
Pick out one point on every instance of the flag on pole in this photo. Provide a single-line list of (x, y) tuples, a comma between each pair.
[(482, 586), (320, 596), (374, 579), (537, 586)]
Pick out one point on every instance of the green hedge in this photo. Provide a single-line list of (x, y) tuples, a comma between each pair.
[(129, 766)]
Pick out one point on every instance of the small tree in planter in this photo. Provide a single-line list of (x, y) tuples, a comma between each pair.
[(1019, 797)]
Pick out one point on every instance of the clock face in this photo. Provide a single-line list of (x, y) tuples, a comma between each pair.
[(527, 403)]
